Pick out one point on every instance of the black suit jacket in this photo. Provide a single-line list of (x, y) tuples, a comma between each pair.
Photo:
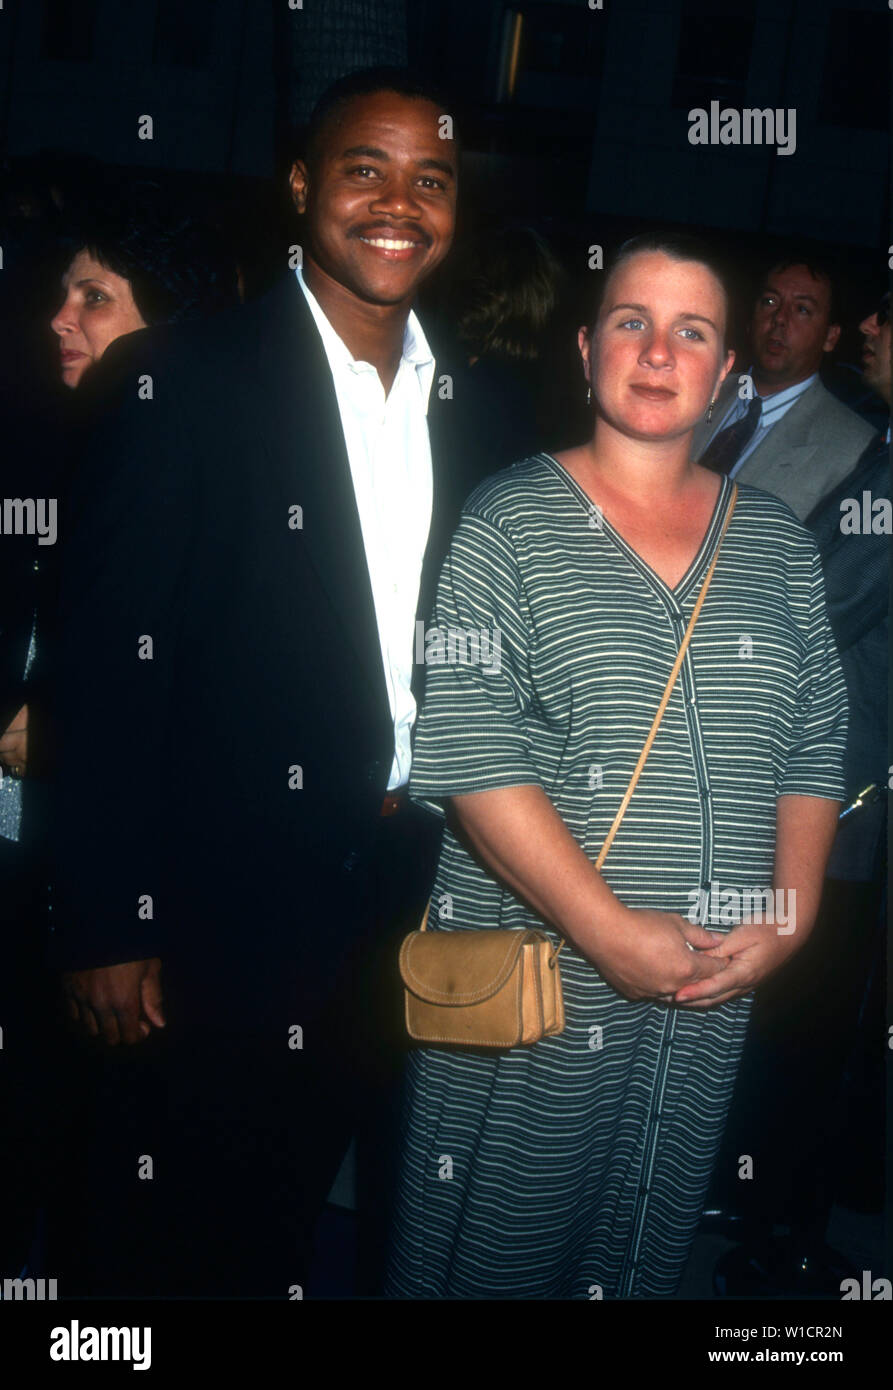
[(178, 775), (857, 586)]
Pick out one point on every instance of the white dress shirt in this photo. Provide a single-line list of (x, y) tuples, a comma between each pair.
[(390, 464), (775, 407)]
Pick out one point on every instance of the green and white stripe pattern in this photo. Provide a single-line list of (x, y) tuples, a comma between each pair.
[(580, 1165)]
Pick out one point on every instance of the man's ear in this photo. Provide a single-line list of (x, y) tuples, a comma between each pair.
[(831, 340), (299, 183)]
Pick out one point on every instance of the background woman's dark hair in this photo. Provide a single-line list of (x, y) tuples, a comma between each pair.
[(677, 246), (505, 293), (179, 266)]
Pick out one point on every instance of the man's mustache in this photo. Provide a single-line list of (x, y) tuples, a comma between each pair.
[(387, 229)]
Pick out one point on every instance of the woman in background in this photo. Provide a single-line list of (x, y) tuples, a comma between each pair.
[(137, 262), (503, 303), (133, 259)]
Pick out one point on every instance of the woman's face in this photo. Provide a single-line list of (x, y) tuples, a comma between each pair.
[(98, 308), (656, 359)]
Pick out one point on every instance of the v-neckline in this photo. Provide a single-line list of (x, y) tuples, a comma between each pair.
[(703, 552)]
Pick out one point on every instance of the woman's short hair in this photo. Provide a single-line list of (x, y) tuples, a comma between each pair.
[(505, 294), (176, 263), (676, 246)]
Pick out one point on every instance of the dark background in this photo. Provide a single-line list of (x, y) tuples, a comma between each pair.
[(575, 119)]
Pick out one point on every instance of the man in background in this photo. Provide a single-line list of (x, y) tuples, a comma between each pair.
[(788, 434), (808, 1105)]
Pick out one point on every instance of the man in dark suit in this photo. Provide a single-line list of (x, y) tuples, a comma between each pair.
[(777, 427), (852, 528), (806, 1105), (256, 529)]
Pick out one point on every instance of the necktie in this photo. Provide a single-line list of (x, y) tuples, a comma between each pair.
[(726, 448)]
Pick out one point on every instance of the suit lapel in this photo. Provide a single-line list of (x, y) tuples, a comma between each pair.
[(436, 540), (788, 443), (453, 477), (300, 426), (764, 463), (435, 544)]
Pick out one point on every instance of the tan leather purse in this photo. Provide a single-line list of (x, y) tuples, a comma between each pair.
[(494, 988)]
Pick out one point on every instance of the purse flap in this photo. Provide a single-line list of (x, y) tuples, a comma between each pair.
[(460, 967)]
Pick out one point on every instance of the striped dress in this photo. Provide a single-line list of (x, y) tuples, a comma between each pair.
[(577, 1168)]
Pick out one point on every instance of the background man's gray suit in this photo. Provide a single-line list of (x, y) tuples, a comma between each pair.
[(802, 457)]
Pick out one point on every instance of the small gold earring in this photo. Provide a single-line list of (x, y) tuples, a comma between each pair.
[(710, 409)]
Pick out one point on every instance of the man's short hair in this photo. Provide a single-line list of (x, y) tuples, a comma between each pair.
[(819, 269), (367, 82)]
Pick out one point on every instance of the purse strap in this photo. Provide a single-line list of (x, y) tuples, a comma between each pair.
[(668, 690), (664, 701)]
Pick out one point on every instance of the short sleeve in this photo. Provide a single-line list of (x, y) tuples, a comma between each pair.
[(473, 730), (818, 736)]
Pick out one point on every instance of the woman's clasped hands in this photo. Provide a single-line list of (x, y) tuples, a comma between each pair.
[(647, 954)]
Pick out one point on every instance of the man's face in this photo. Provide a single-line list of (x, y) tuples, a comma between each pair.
[(791, 328), (379, 197), (877, 368)]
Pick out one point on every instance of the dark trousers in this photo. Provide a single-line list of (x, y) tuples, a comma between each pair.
[(27, 1112), (808, 1102), (202, 1158)]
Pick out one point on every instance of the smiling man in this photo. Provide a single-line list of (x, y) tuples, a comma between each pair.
[(790, 436), (254, 544), (378, 188)]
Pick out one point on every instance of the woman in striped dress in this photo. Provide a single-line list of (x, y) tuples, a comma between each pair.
[(576, 1168)]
